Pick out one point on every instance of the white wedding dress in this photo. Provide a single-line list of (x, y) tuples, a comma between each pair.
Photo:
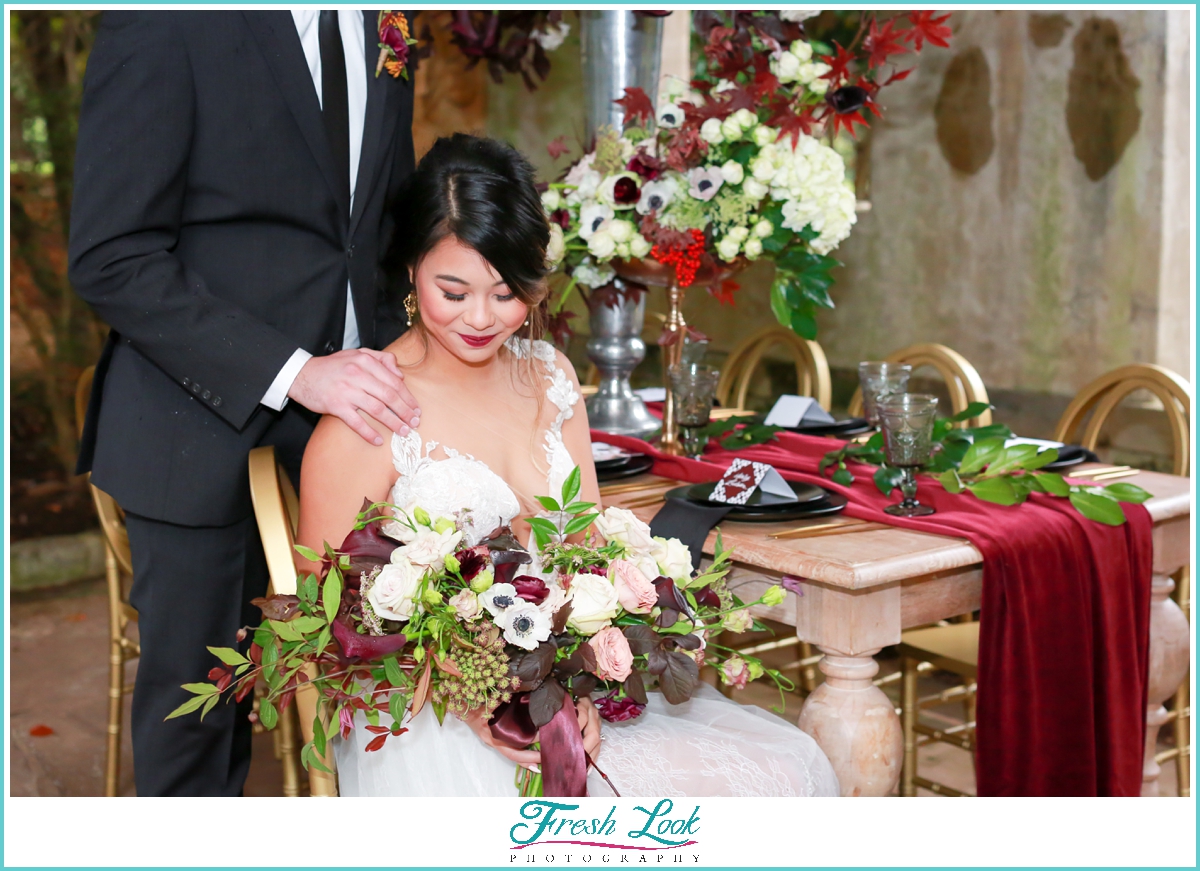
[(708, 746)]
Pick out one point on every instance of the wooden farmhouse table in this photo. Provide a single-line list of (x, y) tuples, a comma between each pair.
[(860, 591)]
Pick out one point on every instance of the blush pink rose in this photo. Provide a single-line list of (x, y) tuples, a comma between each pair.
[(635, 591), (614, 659)]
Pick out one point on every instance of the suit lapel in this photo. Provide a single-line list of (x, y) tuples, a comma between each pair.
[(276, 35), (380, 120)]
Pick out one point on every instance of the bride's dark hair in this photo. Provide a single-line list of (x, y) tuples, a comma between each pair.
[(481, 192)]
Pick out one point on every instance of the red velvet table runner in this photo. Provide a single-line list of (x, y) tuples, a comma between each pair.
[(1064, 626)]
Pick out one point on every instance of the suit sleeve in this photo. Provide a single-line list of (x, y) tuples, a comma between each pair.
[(131, 175), (391, 321)]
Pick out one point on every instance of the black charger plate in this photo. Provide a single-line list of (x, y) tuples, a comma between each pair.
[(827, 503), (615, 462), (635, 466), (851, 426), (1068, 456)]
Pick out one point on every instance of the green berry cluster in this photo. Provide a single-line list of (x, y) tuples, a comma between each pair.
[(485, 681)]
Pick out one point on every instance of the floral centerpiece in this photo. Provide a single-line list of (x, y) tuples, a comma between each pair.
[(404, 615), (737, 164)]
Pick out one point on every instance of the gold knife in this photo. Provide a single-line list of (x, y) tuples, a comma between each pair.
[(1099, 470)]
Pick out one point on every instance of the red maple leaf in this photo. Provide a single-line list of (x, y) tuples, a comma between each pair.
[(558, 147), (898, 76), (686, 149), (726, 53), (846, 121), (792, 123), (839, 66), (723, 293), (883, 42), (765, 83), (560, 329), (638, 108), (928, 28)]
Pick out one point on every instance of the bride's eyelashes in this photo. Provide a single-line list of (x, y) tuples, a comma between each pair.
[(454, 297)]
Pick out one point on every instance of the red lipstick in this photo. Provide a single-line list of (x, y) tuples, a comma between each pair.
[(477, 341)]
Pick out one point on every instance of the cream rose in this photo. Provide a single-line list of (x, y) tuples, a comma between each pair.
[(614, 659), (626, 528), (753, 248), (733, 172), (551, 200), (710, 131), (395, 589), (556, 247), (594, 603), (673, 558), (465, 605), (602, 245), (635, 591), (429, 548), (639, 246)]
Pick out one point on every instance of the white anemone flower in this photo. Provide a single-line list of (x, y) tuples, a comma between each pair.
[(525, 625), (593, 217)]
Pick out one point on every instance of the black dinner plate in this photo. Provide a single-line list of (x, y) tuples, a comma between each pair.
[(637, 464), (851, 426), (1068, 456), (828, 503), (615, 462), (759, 500)]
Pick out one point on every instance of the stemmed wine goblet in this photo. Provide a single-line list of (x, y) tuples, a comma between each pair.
[(907, 420), (879, 380)]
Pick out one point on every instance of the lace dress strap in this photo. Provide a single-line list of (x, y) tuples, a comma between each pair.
[(406, 452), (562, 393)]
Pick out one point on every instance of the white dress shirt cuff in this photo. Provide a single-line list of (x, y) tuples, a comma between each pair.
[(276, 396)]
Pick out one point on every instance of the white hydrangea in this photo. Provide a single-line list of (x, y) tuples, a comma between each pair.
[(785, 66), (585, 179), (802, 50), (593, 275), (810, 179), (552, 37)]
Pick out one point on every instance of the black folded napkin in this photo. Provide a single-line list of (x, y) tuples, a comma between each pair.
[(688, 522)]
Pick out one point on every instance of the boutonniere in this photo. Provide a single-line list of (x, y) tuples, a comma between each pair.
[(394, 40)]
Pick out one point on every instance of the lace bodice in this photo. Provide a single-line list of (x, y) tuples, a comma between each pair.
[(461, 483)]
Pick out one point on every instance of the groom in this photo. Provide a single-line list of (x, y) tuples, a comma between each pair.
[(233, 179)]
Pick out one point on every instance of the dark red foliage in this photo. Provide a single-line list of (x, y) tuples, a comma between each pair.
[(686, 149), (561, 217), (765, 83), (615, 294), (883, 42), (792, 123), (669, 595), (243, 691), (839, 66), (618, 710), (559, 328), (215, 672), (646, 165), (706, 597), (927, 27), (558, 147), (255, 653), (531, 589), (637, 105), (723, 292), (504, 41)]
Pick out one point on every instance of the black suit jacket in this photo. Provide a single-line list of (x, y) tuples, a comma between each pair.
[(205, 231)]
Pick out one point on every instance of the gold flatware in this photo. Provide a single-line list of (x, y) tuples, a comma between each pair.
[(1099, 470), (726, 413), (1112, 476), (632, 487), (823, 529), (645, 501)]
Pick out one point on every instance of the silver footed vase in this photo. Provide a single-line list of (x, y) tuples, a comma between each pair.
[(616, 348)]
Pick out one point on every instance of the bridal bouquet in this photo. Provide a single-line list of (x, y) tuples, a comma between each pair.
[(732, 166), (405, 615)]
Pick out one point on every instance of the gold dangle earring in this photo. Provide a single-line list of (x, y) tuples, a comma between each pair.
[(410, 306)]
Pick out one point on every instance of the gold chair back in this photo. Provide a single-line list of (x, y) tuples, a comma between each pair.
[(118, 565), (812, 369), (276, 510), (962, 381), (1103, 395)]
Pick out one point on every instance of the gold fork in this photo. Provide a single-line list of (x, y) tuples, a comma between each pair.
[(1099, 470), (614, 489), (822, 529)]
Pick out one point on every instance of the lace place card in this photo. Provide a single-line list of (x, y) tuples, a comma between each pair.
[(743, 477)]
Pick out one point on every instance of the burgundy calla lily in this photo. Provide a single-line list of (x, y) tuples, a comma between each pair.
[(366, 648)]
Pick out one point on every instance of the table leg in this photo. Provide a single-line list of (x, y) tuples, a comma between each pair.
[(1169, 656), (855, 724)]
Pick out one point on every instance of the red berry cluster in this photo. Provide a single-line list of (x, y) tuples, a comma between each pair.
[(686, 261)]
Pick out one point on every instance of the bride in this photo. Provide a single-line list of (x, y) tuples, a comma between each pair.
[(500, 423)]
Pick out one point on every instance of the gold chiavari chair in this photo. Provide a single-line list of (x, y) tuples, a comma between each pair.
[(812, 379), (276, 509), (1082, 423), (118, 566), (955, 647), (812, 369), (962, 381)]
